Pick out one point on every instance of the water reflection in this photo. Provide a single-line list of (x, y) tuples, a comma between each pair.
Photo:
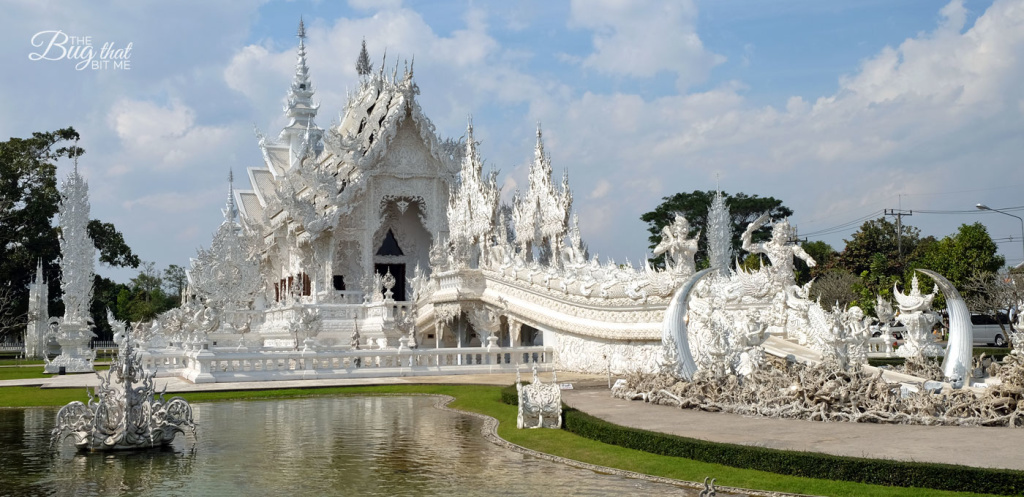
[(319, 446)]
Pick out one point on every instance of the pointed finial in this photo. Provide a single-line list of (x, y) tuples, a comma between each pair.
[(230, 211), (302, 29)]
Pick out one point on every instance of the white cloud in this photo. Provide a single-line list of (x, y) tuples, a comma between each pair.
[(939, 109), (602, 189), (643, 38), (165, 137)]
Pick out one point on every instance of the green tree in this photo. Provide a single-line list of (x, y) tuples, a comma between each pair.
[(743, 209), (111, 245), (28, 205), (879, 237), (963, 255), (104, 295), (175, 280), (144, 298), (824, 256)]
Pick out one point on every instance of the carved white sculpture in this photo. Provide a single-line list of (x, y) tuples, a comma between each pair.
[(917, 315), (37, 330), (677, 359), (780, 249), (678, 247), (125, 414), (719, 235), (541, 216), (77, 261), (473, 206), (960, 348), (227, 274), (540, 405)]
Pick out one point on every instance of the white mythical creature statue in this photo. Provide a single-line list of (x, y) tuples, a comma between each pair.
[(678, 247), (917, 315), (858, 328), (780, 250), (832, 337)]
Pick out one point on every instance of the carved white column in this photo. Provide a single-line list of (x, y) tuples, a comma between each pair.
[(514, 331)]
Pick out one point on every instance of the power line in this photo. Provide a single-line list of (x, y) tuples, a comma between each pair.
[(843, 226)]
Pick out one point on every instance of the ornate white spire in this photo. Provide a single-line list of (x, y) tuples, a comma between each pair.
[(719, 234), (542, 215), (300, 107), (230, 211), (473, 204), (77, 250)]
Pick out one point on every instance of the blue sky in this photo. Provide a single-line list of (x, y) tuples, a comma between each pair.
[(841, 108)]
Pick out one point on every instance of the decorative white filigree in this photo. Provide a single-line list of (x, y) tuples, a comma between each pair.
[(719, 235), (126, 414), (917, 315), (226, 275), (540, 405), (541, 216), (77, 261), (472, 207)]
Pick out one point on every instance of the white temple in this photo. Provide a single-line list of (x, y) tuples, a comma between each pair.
[(376, 247)]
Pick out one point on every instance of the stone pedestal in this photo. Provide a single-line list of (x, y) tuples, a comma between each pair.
[(75, 354), (200, 368)]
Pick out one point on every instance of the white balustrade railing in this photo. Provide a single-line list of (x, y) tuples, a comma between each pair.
[(880, 347), (226, 365)]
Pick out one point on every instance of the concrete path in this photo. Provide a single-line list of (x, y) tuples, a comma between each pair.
[(968, 446)]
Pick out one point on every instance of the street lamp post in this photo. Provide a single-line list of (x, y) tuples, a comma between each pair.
[(984, 207)]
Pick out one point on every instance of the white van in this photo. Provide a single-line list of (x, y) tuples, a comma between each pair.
[(987, 330)]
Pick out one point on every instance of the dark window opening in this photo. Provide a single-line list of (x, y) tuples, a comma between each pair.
[(339, 282), (390, 245)]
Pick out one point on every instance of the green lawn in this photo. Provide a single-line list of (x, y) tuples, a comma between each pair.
[(14, 361), (487, 400), (34, 371)]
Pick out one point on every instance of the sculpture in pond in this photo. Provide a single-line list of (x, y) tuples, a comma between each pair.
[(123, 416), (540, 405)]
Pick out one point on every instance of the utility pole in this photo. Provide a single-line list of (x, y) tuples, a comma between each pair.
[(898, 214)]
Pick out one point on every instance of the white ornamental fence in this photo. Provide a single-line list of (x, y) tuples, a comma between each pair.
[(230, 365)]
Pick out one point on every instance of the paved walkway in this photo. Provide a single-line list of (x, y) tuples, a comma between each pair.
[(969, 446)]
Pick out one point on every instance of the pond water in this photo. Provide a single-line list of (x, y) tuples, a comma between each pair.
[(315, 446)]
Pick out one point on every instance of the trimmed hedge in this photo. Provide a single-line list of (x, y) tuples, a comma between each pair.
[(785, 462)]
